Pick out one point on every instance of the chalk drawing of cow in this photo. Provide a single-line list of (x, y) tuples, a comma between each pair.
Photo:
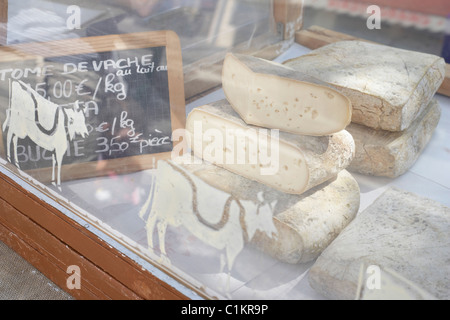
[(45, 123), (179, 198)]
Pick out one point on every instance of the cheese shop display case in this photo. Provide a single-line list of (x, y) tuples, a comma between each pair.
[(227, 150)]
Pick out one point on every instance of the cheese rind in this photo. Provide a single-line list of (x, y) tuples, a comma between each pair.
[(392, 286), (306, 224), (400, 231), (388, 87), (391, 154), (291, 163), (268, 94)]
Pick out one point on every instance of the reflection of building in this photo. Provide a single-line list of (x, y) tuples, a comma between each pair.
[(204, 26), (412, 25), (428, 15), (207, 29)]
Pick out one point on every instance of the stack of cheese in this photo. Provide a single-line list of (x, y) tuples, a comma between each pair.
[(391, 90), (300, 165)]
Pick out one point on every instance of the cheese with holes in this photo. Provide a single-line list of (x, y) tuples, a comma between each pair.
[(388, 87), (390, 154), (400, 231), (304, 224), (268, 94), (291, 163)]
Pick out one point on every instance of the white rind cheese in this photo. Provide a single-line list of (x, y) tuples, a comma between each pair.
[(390, 154), (388, 87), (288, 162), (268, 94), (305, 224), (400, 231)]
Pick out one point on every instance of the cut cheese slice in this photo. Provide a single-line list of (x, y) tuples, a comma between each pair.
[(304, 224), (288, 162), (400, 231), (388, 87), (268, 94), (391, 154)]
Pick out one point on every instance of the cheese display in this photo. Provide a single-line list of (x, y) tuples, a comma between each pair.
[(400, 231), (288, 162), (388, 87), (268, 94), (291, 228), (390, 154), (223, 150), (283, 184)]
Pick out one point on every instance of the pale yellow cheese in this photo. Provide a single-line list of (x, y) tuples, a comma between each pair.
[(271, 95), (288, 162)]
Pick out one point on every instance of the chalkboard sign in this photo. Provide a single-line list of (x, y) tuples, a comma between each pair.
[(91, 106)]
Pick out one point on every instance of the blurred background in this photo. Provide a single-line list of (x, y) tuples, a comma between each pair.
[(205, 25), (411, 24)]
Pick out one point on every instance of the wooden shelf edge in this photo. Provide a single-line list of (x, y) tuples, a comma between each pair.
[(81, 242)]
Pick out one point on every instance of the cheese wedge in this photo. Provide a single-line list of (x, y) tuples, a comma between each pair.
[(400, 231), (268, 94), (300, 226), (391, 154), (288, 162), (388, 87)]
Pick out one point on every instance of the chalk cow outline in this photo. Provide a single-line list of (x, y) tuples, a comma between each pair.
[(44, 122), (238, 224)]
